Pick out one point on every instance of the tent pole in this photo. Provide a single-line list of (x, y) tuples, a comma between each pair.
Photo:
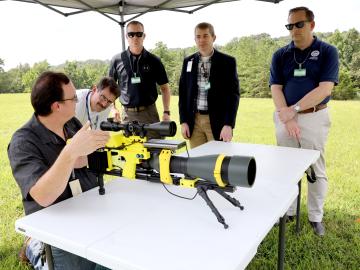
[(122, 24)]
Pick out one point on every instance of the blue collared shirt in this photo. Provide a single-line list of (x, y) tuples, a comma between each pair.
[(320, 60)]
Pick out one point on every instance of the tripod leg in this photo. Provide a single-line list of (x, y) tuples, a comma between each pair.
[(232, 200), (220, 218), (100, 178)]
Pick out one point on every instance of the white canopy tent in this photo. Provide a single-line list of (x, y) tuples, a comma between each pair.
[(116, 10)]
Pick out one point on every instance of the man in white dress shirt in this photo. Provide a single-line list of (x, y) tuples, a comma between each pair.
[(95, 104)]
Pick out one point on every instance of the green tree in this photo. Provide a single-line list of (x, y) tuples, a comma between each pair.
[(253, 55), (33, 73), (348, 45), (11, 81), (85, 74), (2, 77), (2, 63), (169, 59), (346, 89)]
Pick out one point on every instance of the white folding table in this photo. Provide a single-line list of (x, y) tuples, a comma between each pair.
[(139, 225)]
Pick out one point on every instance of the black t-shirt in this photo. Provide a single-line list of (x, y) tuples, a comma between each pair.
[(32, 150), (148, 70)]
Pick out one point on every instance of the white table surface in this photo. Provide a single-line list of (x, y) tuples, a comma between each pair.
[(138, 225), (275, 164)]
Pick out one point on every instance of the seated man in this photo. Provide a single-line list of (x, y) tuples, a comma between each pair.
[(46, 168), (95, 104)]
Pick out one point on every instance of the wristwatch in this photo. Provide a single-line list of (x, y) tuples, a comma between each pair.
[(167, 112), (297, 108)]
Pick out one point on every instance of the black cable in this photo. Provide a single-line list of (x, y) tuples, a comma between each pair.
[(179, 195)]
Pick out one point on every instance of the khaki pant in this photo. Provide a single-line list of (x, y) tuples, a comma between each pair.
[(314, 129), (148, 116), (202, 132)]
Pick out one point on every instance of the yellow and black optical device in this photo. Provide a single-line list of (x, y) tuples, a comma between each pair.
[(130, 154)]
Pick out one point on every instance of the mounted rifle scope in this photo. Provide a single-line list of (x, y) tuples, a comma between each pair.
[(164, 129), (223, 170)]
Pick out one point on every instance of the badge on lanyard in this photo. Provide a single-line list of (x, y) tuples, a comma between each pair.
[(94, 126), (300, 72), (189, 66), (75, 187), (74, 184), (135, 80), (207, 86)]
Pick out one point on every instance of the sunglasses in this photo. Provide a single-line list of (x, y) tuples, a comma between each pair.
[(74, 98), (299, 25), (133, 34)]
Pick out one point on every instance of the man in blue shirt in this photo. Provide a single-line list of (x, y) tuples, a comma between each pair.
[(302, 76)]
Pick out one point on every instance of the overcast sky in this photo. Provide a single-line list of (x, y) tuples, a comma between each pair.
[(31, 33)]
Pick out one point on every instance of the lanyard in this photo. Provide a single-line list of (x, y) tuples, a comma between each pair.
[(132, 64), (73, 177), (300, 64), (93, 126), (205, 67), (205, 72)]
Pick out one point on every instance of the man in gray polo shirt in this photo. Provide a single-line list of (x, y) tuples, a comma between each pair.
[(47, 168)]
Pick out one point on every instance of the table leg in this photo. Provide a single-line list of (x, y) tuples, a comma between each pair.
[(281, 248), (298, 209), (49, 258)]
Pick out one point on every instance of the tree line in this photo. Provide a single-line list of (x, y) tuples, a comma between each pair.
[(253, 55)]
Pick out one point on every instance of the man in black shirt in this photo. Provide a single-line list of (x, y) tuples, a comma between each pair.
[(137, 72), (46, 168)]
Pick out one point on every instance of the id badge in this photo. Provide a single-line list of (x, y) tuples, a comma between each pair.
[(75, 187), (135, 80), (301, 72), (207, 86), (189, 66)]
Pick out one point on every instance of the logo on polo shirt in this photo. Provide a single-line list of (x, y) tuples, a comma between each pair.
[(146, 68), (314, 55)]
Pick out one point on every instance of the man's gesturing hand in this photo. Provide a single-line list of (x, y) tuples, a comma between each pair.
[(87, 141)]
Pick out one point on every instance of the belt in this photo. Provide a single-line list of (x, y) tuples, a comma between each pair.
[(137, 109), (314, 109), (202, 112)]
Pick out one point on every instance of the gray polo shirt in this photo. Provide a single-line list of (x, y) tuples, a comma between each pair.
[(32, 150)]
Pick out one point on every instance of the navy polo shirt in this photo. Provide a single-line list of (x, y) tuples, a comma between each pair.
[(320, 60)]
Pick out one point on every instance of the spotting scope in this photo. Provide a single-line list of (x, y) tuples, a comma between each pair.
[(222, 170)]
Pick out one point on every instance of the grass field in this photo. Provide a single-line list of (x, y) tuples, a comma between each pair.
[(339, 249)]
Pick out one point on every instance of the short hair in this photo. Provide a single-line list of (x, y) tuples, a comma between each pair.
[(111, 83), (309, 14), (48, 89), (205, 25), (135, 23)]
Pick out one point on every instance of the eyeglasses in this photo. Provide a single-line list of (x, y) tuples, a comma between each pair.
[(133, 34), (74, 98), (299, 25), (105, 99)]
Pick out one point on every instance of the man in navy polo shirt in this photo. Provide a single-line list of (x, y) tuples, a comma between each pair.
[(302, 75)]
